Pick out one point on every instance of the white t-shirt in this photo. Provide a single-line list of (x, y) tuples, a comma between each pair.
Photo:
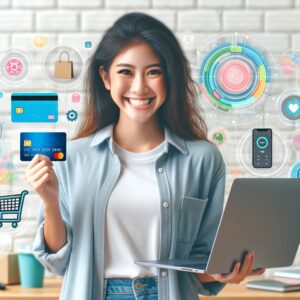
[(133, 216)]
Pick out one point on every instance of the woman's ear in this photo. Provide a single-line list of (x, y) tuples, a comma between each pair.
[(105, 77)]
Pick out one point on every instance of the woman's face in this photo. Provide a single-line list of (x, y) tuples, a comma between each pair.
[(136, 82)]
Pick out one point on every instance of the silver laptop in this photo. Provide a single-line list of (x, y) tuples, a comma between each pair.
[(261, 214)]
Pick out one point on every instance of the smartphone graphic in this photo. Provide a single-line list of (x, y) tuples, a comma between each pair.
[(262, 147)]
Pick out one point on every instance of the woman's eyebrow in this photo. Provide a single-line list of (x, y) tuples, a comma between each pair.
[(132, 66)]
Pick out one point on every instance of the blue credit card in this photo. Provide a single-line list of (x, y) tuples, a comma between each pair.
[(34, 107), (51, 144)]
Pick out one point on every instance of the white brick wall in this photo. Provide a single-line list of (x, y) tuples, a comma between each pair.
[(128, 4), (33, 4), (282, 21), (99, 20), (274, 23), (79, 3), (4, 42), (199, 20), (249, 20), (296, 41), (221, 3), (16, 20), (173, 4), (57, 20), (269, 4)]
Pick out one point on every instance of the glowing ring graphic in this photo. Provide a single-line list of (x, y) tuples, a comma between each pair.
[(234, 76), (14, 66)]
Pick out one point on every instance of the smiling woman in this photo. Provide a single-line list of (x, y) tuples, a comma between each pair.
[(133, 186)]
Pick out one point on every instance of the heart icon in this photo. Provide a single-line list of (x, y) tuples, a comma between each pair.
[(293, 107)]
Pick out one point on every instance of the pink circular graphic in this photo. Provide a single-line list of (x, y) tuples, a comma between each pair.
[(14, 66), (296, 142), (235, 76)]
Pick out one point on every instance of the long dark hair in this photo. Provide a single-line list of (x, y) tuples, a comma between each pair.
[(180, 112)]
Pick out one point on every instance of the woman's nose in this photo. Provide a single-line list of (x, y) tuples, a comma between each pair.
[(139, 85)]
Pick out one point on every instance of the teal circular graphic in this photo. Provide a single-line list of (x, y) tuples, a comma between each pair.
[(290, 107), (234, 76), (1, 95), (295, 172), (262, 142)]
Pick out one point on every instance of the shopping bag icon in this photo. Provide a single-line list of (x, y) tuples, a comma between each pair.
[(63, 68)]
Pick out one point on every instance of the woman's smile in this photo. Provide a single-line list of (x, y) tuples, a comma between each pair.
[(140, 103)]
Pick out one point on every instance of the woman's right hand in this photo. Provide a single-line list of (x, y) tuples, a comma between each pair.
[(40, 175)]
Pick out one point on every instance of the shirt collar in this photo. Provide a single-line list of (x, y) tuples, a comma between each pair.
[(170, 138)]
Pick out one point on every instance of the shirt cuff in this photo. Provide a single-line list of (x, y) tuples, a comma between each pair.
[(54, 262)]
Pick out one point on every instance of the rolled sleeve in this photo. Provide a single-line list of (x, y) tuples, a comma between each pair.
[(54, 262)]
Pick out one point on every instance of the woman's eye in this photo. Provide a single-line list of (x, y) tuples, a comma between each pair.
[(155, 72), (125, 72)]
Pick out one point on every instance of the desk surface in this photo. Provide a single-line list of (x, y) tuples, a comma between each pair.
[(230, 292), (49, 292)]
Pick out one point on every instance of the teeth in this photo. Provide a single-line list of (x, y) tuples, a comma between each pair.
[(139, 102)]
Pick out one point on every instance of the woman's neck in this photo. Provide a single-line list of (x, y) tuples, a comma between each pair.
[(138, 137)]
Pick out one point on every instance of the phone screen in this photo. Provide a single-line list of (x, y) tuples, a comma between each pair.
[(262, 148)]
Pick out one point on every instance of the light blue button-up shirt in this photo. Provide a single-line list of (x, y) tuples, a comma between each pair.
[(191, 179)]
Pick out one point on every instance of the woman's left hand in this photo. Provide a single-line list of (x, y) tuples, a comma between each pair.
[(240, 271)]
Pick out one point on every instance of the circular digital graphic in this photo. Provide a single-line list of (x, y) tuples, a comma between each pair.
[(262, 142), (218, 136), (280, 154), (40, 41), (63, 64), (234, 76), (14, 66), (289, 105), (1, 95), (295, 171)]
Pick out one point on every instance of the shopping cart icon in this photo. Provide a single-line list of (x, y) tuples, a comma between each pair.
[(11, 208)]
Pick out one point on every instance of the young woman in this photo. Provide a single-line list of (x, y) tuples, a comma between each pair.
[(141, 180)]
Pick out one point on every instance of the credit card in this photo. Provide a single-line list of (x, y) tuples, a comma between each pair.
[(34, 107), (51, 144)]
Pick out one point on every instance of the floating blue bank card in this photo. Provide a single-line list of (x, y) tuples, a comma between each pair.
[(51, 144), (34, 107)]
